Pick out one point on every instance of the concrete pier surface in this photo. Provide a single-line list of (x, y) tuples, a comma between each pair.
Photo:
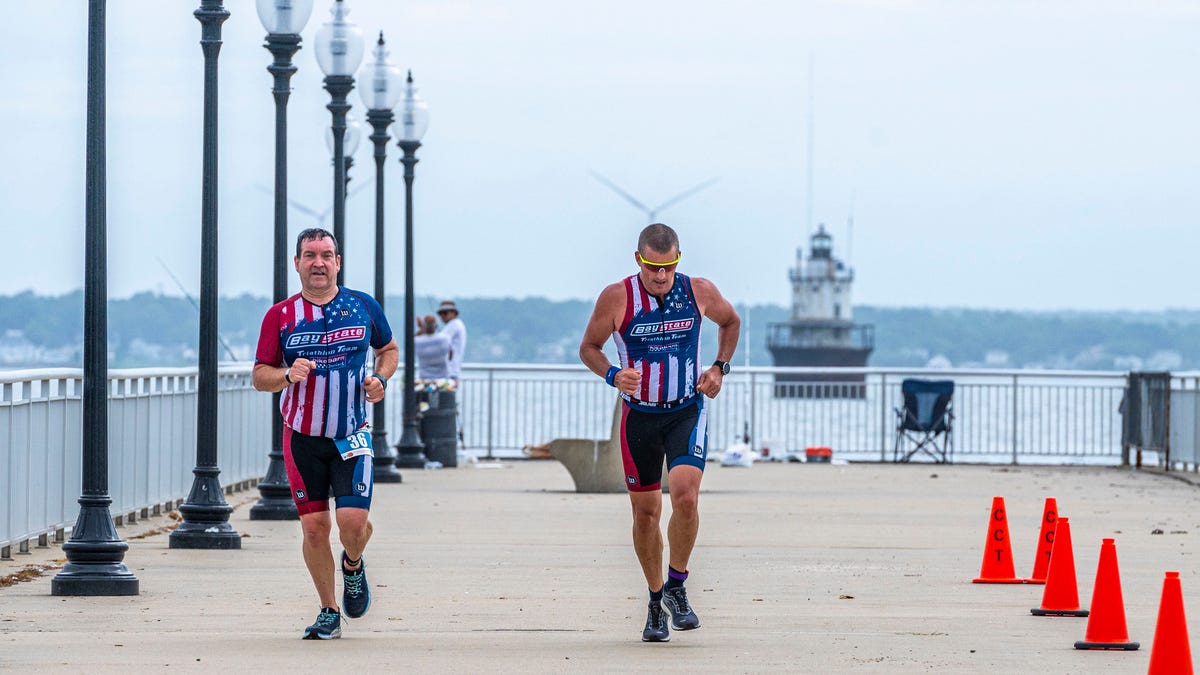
[(862, 568)]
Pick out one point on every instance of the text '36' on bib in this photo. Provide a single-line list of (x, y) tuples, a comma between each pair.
[(357, 443)]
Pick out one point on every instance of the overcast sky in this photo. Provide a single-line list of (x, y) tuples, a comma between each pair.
[(1011, 154)]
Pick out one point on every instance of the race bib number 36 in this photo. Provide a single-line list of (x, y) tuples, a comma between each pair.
[(357, 443)]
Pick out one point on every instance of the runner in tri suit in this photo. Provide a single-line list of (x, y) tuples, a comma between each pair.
[(313, 347), (654, 319)]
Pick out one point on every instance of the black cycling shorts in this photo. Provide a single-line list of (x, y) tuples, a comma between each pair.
[(316, 472), (680, 435)]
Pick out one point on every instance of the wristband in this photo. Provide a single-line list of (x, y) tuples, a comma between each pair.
[(287, 376), (382, 379), (611, 376)]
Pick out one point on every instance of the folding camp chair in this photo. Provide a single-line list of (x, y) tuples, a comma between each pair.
[(926, 423)]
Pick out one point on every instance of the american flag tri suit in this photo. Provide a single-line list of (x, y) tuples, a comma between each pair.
[(662, 342), (336, 337)]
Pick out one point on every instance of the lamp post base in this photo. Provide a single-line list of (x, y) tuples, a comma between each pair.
[(276, 500), (271, 508), (94, 580), (94, 555), (386, 473), (205, 516), (410, 452), (385, 459), (206, 536)]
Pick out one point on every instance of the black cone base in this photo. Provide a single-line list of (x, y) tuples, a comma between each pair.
[(1123, 646), (1058, 612)]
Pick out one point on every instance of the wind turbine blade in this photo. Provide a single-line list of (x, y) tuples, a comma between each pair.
[(686, 193), (617, 189), (361, 186), (302, 208), (187, 295)]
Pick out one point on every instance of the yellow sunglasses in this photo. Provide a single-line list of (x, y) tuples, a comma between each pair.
[(654, 264)]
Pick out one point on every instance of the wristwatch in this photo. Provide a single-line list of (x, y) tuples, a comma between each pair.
[(723, 365)]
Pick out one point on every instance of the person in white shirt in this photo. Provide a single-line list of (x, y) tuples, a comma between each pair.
[(456, 330), (432, 350)]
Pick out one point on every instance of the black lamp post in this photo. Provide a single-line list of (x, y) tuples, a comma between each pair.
[(95, 553), (206, 513), (283, 20), (379, 96), (339, 51), (414, 119)]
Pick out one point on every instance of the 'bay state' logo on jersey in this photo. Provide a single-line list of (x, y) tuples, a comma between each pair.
[(326, 338), (679, 326)]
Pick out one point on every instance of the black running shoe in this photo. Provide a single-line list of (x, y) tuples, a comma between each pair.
[(327, 627), (682, 616), (656, 624), (356, 594)]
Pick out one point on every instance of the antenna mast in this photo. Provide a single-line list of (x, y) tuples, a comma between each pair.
[(810, 144)]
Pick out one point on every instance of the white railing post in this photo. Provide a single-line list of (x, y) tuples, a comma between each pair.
[(883, 417), (1015, 418), (490, 411)]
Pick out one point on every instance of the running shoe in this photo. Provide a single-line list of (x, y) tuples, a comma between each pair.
[(356, 594), (656, 624), (327, 627), (682, 616)]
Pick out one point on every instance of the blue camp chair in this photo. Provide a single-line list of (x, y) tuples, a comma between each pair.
[(926, 423)]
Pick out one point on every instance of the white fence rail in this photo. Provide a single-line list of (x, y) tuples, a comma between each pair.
[(1000, 416), (151, 443)]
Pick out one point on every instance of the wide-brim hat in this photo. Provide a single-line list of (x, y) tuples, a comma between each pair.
[(447, 306)]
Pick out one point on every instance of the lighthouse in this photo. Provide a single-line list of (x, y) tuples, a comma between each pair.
[(821, 332)]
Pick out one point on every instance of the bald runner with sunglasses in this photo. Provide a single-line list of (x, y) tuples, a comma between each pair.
[(654, 319)]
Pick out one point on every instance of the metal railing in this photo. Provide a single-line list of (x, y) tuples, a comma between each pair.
[(1000, 416), (151, 444)]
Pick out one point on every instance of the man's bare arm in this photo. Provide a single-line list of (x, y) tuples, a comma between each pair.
[(714, 306), (387, 358), (606, 317)]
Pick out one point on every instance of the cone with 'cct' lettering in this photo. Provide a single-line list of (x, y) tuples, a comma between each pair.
[(1061, 595), (1171, 653), (997, 565), (1106, 624), (1045, 543)]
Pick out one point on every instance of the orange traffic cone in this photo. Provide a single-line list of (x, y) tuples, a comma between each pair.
[(997, 551), (1061, 596), (1171, 654), (1041, 561), (1106, 625)]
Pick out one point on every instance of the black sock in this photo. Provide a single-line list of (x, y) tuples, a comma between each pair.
[(675, 578), (333, 610), (656, 596)]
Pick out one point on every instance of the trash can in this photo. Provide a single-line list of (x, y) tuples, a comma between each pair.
[(439, 427)]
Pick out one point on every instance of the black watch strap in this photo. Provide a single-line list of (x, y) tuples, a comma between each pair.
[(723, 365)]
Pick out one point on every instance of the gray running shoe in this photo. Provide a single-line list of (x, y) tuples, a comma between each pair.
[(656, 624), (356, 594), (327, 627), (682, 616)]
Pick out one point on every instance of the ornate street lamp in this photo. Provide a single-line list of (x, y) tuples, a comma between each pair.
[(379, 96), (206, 513), (414, 119), (339, 51), (95, 553), (283, 20)]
